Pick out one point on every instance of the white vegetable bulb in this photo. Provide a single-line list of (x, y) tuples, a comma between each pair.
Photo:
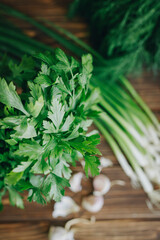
[(101, 185), (66, 232), (93, 203), (65, 207), (75, 182), (105, 162), (60, 233)]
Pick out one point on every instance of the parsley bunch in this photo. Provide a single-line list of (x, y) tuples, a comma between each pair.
[(43, 130)]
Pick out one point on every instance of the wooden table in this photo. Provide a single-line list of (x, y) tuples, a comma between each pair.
[(125, 215)]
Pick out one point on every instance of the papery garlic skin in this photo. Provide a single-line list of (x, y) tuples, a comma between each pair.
[(82, 162), (65, 207), (60, 233), (75, 182), (101, 185), (104, 162), (93, 203)]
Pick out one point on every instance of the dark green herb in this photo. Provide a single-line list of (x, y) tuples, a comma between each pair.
[(43, 130), (125, 32), (126, 122)]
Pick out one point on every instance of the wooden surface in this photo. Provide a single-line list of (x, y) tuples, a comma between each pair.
[(125, 215)]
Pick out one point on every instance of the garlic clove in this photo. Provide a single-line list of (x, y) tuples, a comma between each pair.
[(66, 233), (105, 162), (75, 182), (60, 233), (101, 185), (82, 162), (65, 207), (93, 203)]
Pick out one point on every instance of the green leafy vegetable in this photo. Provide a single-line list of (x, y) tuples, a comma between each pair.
[(127, 33), (91, 163), (41, 130), (127, 123), (15, 198), (9, 96)]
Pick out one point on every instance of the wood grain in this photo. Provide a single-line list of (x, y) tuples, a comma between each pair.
[(119, 230), (24, 231), (100, 230), (122, 202), (125, 215)]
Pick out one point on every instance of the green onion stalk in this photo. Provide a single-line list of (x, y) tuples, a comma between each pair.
[(126, 122)]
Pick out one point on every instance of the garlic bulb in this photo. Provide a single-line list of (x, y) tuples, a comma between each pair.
[(67, 233), (75, 182), (65, 207), (93, 203), (101, 185), (60, 233), (105, 162)]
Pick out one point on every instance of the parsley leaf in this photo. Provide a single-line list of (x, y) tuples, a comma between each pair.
[(91, 164), (56, 113), (44, 129), (9, 96), (30, 150), (54, 187), (15, 198)]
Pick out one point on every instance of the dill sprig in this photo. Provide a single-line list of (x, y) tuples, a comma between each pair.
[(125, 32)]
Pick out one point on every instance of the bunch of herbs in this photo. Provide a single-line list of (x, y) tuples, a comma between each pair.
[(43, 129)]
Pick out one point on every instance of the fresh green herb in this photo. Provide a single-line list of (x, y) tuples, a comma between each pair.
[(43, 129), (127, 33), (126, 122)]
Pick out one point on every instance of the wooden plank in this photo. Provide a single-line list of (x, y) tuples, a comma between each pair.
[(21, 231), (122, 202), (119, 230), (101, 230), (149, 89)]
